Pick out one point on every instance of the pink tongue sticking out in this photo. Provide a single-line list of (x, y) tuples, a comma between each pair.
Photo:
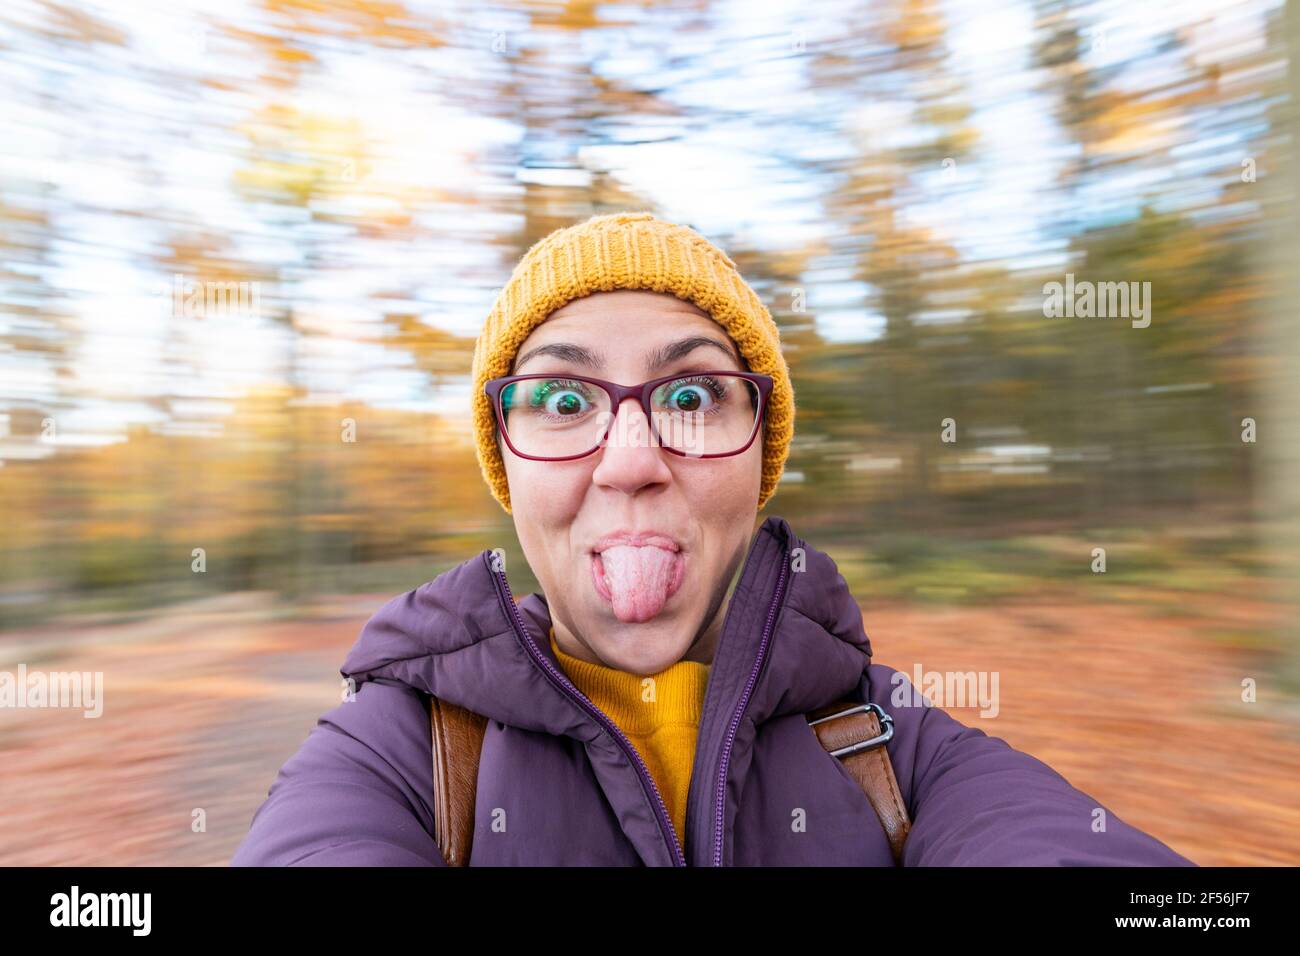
[(640, 580)]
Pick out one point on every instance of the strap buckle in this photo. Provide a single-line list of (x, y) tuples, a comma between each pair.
[(886, 725)]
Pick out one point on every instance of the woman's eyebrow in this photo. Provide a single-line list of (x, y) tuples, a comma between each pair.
[(677, 350), (565, 352), (580, 355)]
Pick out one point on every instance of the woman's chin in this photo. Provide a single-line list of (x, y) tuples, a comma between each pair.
[(641, 653)]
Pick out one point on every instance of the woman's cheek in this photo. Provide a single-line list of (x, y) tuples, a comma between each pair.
[(545, 500), (741, 486)]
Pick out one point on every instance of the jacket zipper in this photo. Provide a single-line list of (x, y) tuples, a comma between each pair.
[(647, 781), (720, 795)]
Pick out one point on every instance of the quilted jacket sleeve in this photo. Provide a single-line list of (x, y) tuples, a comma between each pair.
[(356, 793), (976, 801)]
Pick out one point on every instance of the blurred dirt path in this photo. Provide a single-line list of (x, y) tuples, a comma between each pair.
[(204, 703), (1138, 707)]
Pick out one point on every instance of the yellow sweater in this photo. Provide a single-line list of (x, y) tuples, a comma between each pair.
[(659, 713)]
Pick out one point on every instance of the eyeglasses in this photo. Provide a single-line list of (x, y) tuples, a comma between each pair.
[(554, 416)]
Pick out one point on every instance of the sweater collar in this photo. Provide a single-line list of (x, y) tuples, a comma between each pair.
[(639, 704)]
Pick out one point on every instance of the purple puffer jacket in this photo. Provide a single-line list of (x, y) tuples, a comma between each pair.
[(559, 784)]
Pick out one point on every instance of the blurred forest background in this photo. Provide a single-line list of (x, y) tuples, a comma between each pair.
[(204, 496)]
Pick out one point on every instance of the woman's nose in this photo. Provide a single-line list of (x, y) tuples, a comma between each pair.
[(630, 456)]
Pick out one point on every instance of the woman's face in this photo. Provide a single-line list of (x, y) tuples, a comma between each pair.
[(637, 609)]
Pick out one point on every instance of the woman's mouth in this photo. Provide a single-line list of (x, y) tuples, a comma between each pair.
[(637, 581)]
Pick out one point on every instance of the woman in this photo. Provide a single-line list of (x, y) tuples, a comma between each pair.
[(650, 706)]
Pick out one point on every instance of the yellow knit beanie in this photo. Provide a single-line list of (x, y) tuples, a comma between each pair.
[(630, 250)]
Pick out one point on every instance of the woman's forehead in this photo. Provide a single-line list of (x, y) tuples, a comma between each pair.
[(623, 317), (588, 330)]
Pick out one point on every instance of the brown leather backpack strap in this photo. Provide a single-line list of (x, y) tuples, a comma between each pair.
[(856, 733), (457, 744)]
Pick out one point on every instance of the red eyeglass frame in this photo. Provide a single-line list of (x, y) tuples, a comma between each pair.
[(620, 393)]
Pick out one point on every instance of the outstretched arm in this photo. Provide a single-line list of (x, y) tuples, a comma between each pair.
[(976, 801), (356, 792)]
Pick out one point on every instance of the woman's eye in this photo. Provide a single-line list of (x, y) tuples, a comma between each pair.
[(560, 398), (695, 395)]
